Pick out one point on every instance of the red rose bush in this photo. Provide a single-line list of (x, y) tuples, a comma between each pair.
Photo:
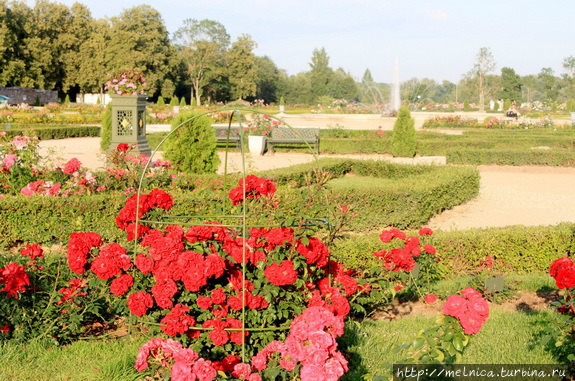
[(222, 297)]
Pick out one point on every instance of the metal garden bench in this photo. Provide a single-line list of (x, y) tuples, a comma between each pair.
[(288, 136)]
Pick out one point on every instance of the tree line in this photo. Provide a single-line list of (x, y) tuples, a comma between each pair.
[(55, 47)]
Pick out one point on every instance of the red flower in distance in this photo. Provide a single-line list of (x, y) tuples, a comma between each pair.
[(282, 274), (430, 298), (255, 187), (71, 166), (425, 231), (33, 251)]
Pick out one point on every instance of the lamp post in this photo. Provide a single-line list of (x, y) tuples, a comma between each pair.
[(129, 122)]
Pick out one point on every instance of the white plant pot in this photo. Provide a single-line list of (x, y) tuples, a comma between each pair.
[(257, 144), (573, 118), (282, 109)]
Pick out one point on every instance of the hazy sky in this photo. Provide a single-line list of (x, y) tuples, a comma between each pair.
[(434, 39)]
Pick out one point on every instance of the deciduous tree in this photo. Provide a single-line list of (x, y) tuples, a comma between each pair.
[(202, 45), (485, 63)]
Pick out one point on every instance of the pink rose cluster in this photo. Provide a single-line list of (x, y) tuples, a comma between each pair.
[(311, 342), (186, 364), (469, 308)]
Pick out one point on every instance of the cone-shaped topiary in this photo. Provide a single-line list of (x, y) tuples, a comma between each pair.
[(160, 102), (404, 142), (174, 101), (192, 148)]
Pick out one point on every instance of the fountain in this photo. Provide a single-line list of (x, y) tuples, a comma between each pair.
[(395, 102)]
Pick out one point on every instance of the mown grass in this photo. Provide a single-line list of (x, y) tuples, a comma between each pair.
[(508, 337), (110, 360)]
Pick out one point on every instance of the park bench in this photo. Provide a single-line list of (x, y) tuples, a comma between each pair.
[(288, 136), (222, 135)]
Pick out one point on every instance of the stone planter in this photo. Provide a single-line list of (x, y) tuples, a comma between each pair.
[(257, 145), (573, 118), (129, 122)]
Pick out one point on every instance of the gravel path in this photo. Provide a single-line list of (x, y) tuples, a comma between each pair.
[(508, 195)]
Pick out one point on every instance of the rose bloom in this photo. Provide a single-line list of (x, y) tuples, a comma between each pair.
[(71, 166), (139, 302), (455, 306), (282, 274), (121, 284), (430, 299), (563, 271)]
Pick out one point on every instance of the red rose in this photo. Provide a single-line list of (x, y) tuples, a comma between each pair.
[(315, 252), (71, 166), (471, 324), (33, 251), (121, 284), (282, 274), (219, 336), (144, 263), (430, 299), (139, 302), (123, 147), (455, 306), (205, 302), (425, 231), (15, 278), (563, 271)]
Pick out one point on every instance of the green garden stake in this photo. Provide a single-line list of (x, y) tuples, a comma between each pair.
[(493, 285)]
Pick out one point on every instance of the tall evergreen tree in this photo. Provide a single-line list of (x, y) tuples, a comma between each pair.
[(320, 73), (268, 80), (510, 85), (241, 67)]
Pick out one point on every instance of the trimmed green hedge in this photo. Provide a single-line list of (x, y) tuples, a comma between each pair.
[(510, 156), (60, 132), (411, 199), (518, 249), (404, 196)]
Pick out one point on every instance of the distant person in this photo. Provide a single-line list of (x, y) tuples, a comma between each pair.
[(512, 112)]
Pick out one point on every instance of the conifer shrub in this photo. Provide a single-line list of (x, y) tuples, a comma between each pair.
[(466, 106), (106, 132), (183, 101), (160, 102), (404, 141), (174, 101), (192, 147)]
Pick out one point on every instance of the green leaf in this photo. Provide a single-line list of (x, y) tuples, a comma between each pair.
[(418, 343), (458, 343)]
